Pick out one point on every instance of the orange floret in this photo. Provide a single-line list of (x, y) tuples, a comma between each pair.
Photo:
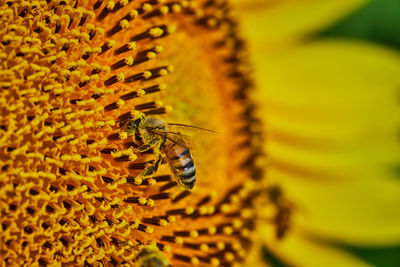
[(70, 189)]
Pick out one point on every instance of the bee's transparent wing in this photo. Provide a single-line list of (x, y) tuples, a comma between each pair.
[(175, 135), (192, 133), (176, 138), (186, 126)]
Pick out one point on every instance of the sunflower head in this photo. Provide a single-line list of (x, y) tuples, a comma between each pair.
[(77, 80)]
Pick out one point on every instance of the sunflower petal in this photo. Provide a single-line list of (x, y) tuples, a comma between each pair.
[(353, 212), (296, 250), (274, 23), (333, 137), (330, 109)]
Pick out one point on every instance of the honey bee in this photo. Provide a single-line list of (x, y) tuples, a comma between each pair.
[(283, 220), (283, 215), (154, 134), (150, 256)]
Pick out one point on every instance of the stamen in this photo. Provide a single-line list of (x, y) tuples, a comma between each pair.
[(154, 33), (107, 46), (106, 10), (158, 12), (123, 62), (114, 79), (97, 4), (157, 111), (160, 196), (181, 196), (120, 5), (125, 48)]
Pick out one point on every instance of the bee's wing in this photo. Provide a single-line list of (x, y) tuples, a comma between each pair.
[(176, 138), (192, 127), (191, 132)]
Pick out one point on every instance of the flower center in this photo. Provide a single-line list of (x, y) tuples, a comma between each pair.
[(81, 188)]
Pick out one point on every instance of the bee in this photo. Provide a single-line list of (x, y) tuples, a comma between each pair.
[(180, 161), (283, 220), (154, 133), (284, 212), (150, 256)]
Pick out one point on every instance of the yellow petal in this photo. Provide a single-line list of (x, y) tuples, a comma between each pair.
[(255, 256), (330, 108), (354, 212), (295, 250), (275, 23)]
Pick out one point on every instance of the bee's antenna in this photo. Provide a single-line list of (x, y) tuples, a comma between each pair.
[(191, 126)]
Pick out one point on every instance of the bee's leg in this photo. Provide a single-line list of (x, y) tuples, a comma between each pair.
[(156, 145), (150, 170), (158, 158), (157, 141)]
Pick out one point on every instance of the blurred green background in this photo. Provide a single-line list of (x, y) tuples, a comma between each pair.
[(378, 21)]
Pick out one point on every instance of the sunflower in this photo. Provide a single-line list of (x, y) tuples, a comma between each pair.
[(83, 181), (329, 108)]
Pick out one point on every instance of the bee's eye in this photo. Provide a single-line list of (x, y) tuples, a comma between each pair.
[(136, 123)]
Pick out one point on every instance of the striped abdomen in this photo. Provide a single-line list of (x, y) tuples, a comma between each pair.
[(182, 165)]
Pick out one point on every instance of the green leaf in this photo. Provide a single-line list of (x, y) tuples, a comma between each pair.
[(272, 259), (378, 21), (378, 256)]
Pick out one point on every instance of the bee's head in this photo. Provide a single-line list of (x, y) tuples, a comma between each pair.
[(150, 256), (153, 261), (132, 125), (136, 123)]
